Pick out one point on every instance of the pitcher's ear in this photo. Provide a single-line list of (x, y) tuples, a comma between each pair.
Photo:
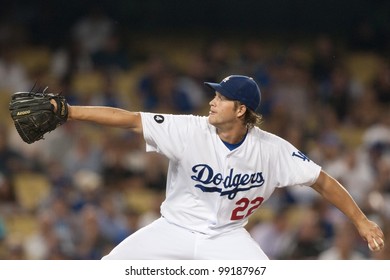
[(241, 110)]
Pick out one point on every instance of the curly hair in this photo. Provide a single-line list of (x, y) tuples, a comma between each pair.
[(250, 118)]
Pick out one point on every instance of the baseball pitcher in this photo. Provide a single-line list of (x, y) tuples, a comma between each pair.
[(222, 167)]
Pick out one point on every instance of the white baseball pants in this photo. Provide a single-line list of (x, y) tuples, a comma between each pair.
[(161, 240)]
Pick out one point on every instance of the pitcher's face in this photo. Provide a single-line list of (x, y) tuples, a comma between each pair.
[(222, 110)]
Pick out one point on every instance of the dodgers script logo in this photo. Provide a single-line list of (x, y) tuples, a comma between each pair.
[(208, 181)]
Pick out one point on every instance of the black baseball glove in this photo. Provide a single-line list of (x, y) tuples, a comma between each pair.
[(34, 115)]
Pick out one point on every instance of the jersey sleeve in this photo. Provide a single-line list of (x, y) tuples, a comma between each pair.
[(294, 167), (166, 134)]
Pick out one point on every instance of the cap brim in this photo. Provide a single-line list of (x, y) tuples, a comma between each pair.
[(217, 87)]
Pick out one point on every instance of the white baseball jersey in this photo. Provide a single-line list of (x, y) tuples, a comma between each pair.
[(211, 189)]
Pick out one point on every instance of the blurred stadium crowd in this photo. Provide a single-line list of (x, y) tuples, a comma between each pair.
[(83, 189)]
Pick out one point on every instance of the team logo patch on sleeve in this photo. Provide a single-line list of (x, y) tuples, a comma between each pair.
[(300, 155), (159, 118)]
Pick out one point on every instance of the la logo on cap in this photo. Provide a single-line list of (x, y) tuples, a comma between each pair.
[(226, 79)]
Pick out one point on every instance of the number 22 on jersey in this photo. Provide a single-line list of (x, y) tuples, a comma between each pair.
[(245, 207)]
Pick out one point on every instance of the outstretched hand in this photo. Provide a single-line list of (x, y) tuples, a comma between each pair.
[(33, 113), (373, 234)]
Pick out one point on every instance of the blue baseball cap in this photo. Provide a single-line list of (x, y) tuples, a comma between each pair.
[(240, 88)]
